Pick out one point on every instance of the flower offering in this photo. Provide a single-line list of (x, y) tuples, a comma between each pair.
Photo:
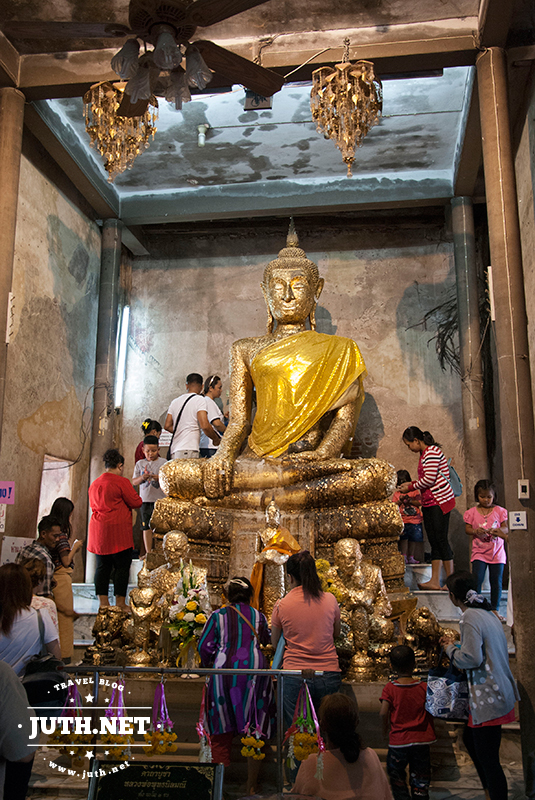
[(160, 739), (118, 743), (303, 735), (189, 613), (71, 744)]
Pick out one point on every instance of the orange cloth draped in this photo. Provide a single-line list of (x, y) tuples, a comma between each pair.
[(283, 542)]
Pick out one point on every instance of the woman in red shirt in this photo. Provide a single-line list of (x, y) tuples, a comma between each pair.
[(112, 499)]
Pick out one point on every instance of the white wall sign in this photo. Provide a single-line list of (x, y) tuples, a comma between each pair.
[(518, 521), (11, 546)]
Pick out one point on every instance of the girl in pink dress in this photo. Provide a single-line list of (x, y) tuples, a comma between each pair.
[(486, 523)]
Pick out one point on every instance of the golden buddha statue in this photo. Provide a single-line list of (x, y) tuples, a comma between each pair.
[(143, 628), (364, 605), (269, 576), (309, 393)]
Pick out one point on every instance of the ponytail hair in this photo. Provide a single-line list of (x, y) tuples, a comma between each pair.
[(463, 586), (339, 718), (412, 433), (302, 567)]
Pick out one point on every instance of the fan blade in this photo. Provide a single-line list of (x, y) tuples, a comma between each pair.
[(65, 30), (240, 70), (129, 109), (208, 12)]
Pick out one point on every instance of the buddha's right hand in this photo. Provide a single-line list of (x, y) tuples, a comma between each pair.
[(217, 475)]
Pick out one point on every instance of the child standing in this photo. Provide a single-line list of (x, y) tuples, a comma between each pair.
[(146, 477), (411, 541), (150, 427), (486, 523), (411, 728)]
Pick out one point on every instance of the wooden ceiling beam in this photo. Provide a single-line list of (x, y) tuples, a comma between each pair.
[(405, 47), (495, 18), (471, 154), (9, 63)]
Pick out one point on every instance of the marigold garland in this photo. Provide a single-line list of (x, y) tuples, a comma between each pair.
[(118, 745), (253, 747), (160, 742), (160, 739), (71, 744)]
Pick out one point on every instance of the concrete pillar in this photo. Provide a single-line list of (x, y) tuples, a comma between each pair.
[(474, 438), (103, 396), (11, 121), (514, 382)]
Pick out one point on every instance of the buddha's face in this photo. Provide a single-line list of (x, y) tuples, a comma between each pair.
[(347, 556), (291, 294), (272, 514), (175, 546)]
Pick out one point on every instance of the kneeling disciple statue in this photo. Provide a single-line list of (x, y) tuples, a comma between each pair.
[(309, 392), (364, 603)]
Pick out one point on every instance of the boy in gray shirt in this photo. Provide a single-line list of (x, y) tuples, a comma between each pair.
[(146, 477)]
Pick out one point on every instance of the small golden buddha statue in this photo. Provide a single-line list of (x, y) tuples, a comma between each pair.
[(364, 604), (143, 627), (163, 580), (268, 576)]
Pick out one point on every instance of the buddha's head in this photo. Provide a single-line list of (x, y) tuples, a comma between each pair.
[(347, 556), (175, 546), (291, 286), (273, 515)]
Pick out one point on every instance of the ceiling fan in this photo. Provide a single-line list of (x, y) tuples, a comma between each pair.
[(169, 25)]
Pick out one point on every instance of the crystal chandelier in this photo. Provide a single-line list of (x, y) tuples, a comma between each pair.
[(118, 139), (346, 101)]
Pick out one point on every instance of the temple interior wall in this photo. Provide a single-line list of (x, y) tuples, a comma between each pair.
[(525, 179), (198, 293), (51, 353)]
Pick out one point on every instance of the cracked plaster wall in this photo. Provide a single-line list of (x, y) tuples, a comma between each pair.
[(51, 354), (196, 295)]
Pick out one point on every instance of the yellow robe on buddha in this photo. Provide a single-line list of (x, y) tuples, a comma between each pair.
[(298, 380)]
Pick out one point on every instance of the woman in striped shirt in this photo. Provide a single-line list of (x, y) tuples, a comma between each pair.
[(437, 500)]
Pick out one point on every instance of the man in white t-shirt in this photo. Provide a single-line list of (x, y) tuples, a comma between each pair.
[(193, 419)]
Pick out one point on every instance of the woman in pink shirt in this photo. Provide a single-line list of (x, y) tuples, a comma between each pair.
[(486, 523), (350, 771), (309, 618)]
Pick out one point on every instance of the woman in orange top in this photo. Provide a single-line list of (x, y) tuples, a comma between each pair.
[(112, 499), (309, 618)]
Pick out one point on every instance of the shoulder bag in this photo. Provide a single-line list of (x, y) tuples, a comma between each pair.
[(455, 482), (453, 479), (447, 692), (43, 673), (176, 423)]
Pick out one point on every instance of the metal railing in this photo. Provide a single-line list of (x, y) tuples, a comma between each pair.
[(279, 674)]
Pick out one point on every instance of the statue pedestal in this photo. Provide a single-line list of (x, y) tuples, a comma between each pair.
[(226, 539)]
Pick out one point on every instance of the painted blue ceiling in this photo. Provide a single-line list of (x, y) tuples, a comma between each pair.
[(267, 160)]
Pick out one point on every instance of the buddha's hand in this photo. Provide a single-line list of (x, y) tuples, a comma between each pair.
[(217, 475), (306, 455)]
